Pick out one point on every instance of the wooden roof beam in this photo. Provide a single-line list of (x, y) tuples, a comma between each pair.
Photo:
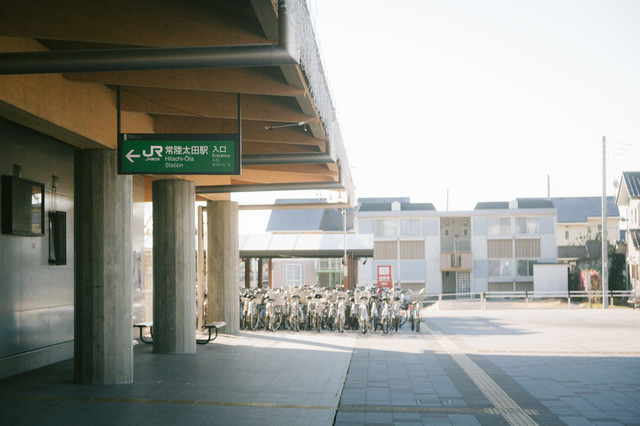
[(253, 131), (209, 104)]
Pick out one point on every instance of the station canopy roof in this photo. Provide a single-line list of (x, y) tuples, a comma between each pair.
[(180, 67), (271, 245)]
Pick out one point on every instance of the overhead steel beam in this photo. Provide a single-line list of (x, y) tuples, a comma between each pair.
[(295, 206), (303, 158), (143, 59), (297, 186)]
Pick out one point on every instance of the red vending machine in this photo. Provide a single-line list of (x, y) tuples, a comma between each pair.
[(384, 276)]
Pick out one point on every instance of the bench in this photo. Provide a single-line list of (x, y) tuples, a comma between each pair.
[(212, 326), (142, 326)]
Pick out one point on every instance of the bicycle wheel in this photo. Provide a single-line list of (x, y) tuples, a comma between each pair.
[(418, 321), (255, 320), (363, 326), (341, 324), (267, 322), (277, 321), (385, 326)]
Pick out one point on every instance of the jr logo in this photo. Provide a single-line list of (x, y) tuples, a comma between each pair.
[(155, 149)]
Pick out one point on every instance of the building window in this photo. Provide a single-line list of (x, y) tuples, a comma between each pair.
[(528, 248), (387, 228), (385, 250), (527, 225), (501, 268), (500, 286), (566, 235), (497, 249), (329, 272), (524, 286), (525, 267), (411, 227), (412, 249), (499, 226), (294, 274), (463, 285)]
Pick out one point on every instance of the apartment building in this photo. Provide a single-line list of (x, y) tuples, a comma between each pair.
[(628, 197), (508, 239), (492, 248), (406, 238), (580, 220)]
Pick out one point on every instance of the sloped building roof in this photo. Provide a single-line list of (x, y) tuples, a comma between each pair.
[(378, 200), (578, 209), (632, 181), (534, 203), (570, 209), (634, 235), (307, 220), (385, 204), (492, 205), (629, 188)]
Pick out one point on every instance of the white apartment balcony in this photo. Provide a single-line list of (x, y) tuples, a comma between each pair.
[(459, 261)]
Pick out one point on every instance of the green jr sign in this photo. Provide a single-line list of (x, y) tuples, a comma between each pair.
[(179, 154)]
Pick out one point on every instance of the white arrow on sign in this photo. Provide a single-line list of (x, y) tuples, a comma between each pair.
[(131, 155)]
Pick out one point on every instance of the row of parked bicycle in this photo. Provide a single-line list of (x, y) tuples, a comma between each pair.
[(317, 308)]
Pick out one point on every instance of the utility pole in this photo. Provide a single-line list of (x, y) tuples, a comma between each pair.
[(548, 187), (605, 280), (345, 260)]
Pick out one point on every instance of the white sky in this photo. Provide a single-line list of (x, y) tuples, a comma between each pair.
[(484, 98)]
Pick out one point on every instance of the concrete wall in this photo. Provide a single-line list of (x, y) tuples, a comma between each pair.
[(551, 277), (480, 272), (279, 266), (432, 254), (36, 299)]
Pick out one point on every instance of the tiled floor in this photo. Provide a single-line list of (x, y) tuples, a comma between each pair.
[(551, 367)]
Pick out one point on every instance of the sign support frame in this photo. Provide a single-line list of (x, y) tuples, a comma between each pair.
[(180, 154)]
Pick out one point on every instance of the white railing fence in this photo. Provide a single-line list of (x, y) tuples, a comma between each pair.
[(517, 299)]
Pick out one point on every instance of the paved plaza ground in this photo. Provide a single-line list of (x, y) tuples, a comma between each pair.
[(465, 367)]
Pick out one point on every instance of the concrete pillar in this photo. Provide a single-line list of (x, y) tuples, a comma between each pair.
[(103, 352), (174, 272), (222, 264), (247, 272)]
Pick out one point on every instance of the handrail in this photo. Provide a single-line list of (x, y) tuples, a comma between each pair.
[(527, 296)]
